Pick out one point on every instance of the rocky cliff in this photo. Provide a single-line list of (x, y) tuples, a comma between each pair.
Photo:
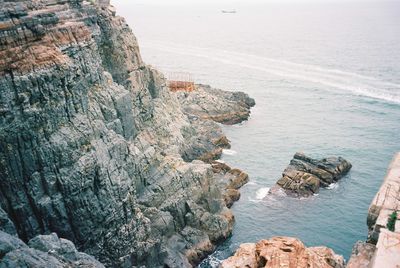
[(95, 148)]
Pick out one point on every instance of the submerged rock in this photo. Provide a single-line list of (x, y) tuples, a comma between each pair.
[(304, 175), (283, 252)]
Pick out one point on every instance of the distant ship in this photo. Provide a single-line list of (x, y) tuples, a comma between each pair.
[(228, 11)]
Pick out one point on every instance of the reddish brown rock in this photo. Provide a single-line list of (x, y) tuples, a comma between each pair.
[(283, 252)]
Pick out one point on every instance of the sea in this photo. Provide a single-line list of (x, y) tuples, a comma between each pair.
[(325, 76)]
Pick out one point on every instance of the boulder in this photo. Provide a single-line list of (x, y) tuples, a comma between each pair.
[(283, 252), (304, 176)]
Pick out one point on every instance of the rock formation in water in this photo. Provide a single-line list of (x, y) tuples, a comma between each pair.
[(95, 148), (304, 175), (382, 247), (282, 252)]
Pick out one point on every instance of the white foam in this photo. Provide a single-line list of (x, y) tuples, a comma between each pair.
[(352, 82), (220, 161), (262, 193), (229, 152), (332, 186)]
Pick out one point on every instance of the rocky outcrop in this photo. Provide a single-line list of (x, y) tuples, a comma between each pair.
[(361, 255), (95, 148), (282, 252), (42, 251), (304, 175), (382, 248), (221, 106), (229, 181)]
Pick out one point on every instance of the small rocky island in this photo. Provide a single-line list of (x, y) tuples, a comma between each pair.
[(304, 176), (280, 252)]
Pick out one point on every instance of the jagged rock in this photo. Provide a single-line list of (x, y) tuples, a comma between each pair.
[(95, 148), (221, 106), (229, 180), (304, 175), (6, 225), (361, 255), (43, 251), (283, 252)]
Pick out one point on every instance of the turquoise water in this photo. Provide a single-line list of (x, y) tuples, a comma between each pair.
[(326, 81)]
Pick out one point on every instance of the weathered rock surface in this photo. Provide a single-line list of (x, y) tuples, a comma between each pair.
[(221, 106), (304, 175), (42, 251), (283, 252), (361, 255), (95, 148), (229, 180)]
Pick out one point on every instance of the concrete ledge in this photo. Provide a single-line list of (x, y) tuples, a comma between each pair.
[(387, 252), (385, 202)]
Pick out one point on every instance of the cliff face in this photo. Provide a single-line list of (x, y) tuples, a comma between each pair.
[(91, 141)]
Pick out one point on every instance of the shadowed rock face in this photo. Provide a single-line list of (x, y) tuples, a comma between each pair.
[(304, 175), (283, 252), (95, 148)]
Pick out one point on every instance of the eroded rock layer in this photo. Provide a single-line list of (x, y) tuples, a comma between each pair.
[(283, 252), (304, 175), (95, 148)]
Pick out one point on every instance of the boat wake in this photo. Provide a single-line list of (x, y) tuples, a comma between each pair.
[(357, 84)]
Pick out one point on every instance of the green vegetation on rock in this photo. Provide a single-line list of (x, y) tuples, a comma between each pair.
[(392, 221)]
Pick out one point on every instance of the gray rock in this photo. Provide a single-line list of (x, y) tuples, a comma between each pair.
[(42, 251), (304, 175), (6, 225), (9, 243), (224, 107)]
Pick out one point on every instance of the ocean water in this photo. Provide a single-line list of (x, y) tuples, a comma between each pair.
[(325, 77)]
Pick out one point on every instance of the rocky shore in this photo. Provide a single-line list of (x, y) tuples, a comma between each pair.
[(95, 148), (224, 107)]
